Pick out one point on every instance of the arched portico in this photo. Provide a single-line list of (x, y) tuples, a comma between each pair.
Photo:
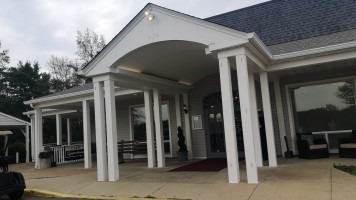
[(167, 56)]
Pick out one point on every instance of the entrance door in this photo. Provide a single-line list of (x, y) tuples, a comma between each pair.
[(214, 126)]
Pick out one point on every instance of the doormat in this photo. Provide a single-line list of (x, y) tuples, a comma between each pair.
[(207, 165)]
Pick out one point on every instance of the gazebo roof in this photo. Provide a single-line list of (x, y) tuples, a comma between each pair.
[(7, 121)]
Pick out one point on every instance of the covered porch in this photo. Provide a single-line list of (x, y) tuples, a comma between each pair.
[(154, 60)]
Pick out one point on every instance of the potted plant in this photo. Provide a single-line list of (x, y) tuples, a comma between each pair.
[(182, 152)]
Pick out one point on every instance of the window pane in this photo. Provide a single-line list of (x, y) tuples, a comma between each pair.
[(324, 107), (139, 123)]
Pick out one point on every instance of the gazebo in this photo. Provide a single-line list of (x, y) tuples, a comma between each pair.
[(8, 122)]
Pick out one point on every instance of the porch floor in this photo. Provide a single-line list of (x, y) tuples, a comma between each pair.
[(292, 179)]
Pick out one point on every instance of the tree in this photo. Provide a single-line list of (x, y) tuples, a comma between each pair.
[(21, 84), (346, 94), (89, 44), (64, 73), (4, 58)]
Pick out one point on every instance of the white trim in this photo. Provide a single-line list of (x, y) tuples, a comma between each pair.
[(308, 83)]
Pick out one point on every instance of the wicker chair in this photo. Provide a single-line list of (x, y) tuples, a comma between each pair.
[(347, 146), (310, 148)]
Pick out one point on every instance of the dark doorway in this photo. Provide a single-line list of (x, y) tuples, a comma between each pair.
[(214, 125)]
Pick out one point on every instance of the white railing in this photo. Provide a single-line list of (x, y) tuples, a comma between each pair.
[(68, 153)]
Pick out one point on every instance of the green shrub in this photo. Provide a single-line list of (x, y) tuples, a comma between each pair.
[(18, 147)]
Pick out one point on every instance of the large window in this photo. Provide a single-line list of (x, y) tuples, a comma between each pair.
[(324, 107), (139, 125)]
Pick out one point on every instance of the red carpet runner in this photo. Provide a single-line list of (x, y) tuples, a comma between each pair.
[(207, 165)]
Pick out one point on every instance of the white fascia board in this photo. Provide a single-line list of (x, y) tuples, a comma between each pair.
[(313, 61), (14, 118), (63, 96), (315, 51), (49, 112)]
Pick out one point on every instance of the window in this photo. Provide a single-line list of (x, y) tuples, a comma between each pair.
[(139, 125), (324, 107)]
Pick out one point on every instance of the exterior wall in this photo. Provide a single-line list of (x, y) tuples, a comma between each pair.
[(202, 88), (123, 120), (207, 86), (307, 77)]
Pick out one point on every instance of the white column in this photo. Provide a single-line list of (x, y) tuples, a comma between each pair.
[(27, 144), (178, 110), (245, 105), (151, 157), (69, 132), (38, 136), (280, 115), (59, 129), (159, 129), (6, 147), (87, 134), (101, 156), (267, 111), (33, 139), (229, 121), (255, 122), (188, 136), (111, 128)]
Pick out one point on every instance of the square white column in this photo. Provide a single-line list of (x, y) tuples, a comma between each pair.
[(69, 132), (6, 148), (33, 139), (229, 121), (101, 156), (280, 115), (157, 109), (267, 111), (178, 110), (188, 135), (111, 128), (87, 135), (151, 157), (38, 137), (255, 122), (246, 116), (27, 144), (59, 129)]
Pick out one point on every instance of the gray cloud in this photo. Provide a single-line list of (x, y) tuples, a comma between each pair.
[(34, 29)]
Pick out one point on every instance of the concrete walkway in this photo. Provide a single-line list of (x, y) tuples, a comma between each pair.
[(292, 179)]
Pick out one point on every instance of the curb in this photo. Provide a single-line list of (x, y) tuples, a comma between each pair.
[(45, 193)]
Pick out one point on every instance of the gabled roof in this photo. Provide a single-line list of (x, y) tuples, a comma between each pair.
[(8, 120), (281, 21)]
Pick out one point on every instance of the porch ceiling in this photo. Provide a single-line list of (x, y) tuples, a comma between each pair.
[(179, 61)]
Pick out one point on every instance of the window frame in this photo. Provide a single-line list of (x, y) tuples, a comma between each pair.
[(169, 124), (289, 87)]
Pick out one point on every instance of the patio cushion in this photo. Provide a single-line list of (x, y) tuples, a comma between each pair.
[(318, 146), (348, 146), (308, 138)]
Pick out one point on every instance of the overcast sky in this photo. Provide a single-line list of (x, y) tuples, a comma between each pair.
[(35, 29)]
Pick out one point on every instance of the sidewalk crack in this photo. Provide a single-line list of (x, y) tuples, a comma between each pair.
[(159, 188)]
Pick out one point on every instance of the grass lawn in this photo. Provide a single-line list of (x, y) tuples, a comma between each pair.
[(349, 169)]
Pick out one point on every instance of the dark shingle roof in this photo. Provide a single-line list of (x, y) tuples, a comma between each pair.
[(281, 21)]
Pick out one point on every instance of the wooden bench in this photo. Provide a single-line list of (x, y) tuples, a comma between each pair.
[(131, 147)]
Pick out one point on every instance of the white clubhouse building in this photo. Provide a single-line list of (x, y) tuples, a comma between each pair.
[(167, 69)]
